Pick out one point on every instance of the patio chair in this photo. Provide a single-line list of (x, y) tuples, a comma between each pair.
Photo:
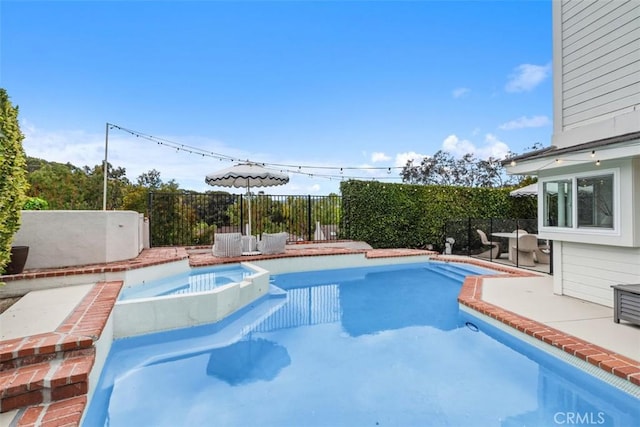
[(526, 248), (273, 243), (543, 254), (513, 243), (494, 250), (227, 244)]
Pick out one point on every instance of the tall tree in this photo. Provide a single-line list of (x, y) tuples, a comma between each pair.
[(62, 185), (443, 169), (150, 180), (13, 170)]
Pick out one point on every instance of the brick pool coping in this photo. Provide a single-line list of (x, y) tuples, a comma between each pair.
[(611, 362), (69, 352)]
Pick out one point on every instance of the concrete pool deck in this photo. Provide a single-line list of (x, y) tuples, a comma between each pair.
[(522, 300)]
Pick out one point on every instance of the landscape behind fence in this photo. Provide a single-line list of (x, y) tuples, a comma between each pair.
[(191, 219)]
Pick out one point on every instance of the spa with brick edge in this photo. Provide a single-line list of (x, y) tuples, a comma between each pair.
[(68, 353)]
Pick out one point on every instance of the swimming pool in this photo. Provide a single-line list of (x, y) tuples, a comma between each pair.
[(195, 280), (362, 346)]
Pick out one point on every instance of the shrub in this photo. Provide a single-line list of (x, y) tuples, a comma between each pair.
[(35, 204)]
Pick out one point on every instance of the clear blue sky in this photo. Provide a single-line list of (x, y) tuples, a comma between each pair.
[(323, 83)]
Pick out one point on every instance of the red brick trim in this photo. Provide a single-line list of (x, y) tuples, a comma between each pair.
[(146, 258), (609, 361), (53, 368)]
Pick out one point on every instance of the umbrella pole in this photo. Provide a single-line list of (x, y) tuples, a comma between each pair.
[(248, 232)]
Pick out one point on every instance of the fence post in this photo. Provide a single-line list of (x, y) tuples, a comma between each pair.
[(491, 240), (517, 254), (469, 236), (150, 209), (444, 236), (241, 213), (309, 217)]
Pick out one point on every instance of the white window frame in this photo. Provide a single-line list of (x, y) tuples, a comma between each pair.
[(615, 172)]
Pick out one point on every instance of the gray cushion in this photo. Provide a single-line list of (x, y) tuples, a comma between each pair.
[(273, 243), (227, 244)]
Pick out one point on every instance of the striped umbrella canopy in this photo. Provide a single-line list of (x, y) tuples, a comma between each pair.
[(530, 190), (246, 175)]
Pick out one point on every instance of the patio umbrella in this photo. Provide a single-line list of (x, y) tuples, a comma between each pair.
[(246, 175), (528, 190)]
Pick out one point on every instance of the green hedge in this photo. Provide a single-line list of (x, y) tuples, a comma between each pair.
[(13, 173), (413, 216)]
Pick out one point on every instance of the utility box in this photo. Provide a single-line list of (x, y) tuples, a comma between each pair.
[(626, 303)]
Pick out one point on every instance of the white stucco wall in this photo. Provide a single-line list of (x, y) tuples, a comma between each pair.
[(74, 238)]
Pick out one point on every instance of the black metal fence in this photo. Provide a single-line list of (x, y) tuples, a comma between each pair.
[(502, 243), (190, 219)]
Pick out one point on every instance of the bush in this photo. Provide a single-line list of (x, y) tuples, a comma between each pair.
[(35, 204)]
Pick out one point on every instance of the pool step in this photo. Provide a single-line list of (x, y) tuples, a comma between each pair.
[(35, 349), (449, 272), (45, 382)]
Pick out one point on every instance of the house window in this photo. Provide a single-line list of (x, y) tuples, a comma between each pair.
[(595, 201), (558, 199), (585, 201)]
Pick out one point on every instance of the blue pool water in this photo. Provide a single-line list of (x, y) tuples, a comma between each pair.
[(354, 347), (196, 280)]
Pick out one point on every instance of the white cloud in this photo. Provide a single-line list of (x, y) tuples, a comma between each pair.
[(458, 147), (526, 77), (403, 158), (379, 157), (492, 147), (526, 122), (460, 92), (76, 147)]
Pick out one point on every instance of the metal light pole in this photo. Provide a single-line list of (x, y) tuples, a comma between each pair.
[(105, 168)]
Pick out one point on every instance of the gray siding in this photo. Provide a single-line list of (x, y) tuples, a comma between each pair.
[(600, 45), (588, 271)]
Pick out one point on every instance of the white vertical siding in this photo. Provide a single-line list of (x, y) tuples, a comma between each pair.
[(588, 271), (600, 60)]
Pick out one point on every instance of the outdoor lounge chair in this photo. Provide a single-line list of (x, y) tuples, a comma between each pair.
[(494, 250), (513, 243), (227, 244), (273, 243), (526, 248), (543, 254)]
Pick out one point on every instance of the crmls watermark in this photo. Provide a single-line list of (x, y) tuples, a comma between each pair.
[(579, 418)]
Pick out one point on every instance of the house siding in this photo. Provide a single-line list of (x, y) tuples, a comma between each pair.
[(597, 57), (588, 271)]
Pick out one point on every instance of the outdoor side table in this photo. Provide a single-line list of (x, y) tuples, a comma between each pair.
[(626, 303)]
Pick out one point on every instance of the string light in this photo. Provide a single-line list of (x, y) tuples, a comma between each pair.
[(283, 167)]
